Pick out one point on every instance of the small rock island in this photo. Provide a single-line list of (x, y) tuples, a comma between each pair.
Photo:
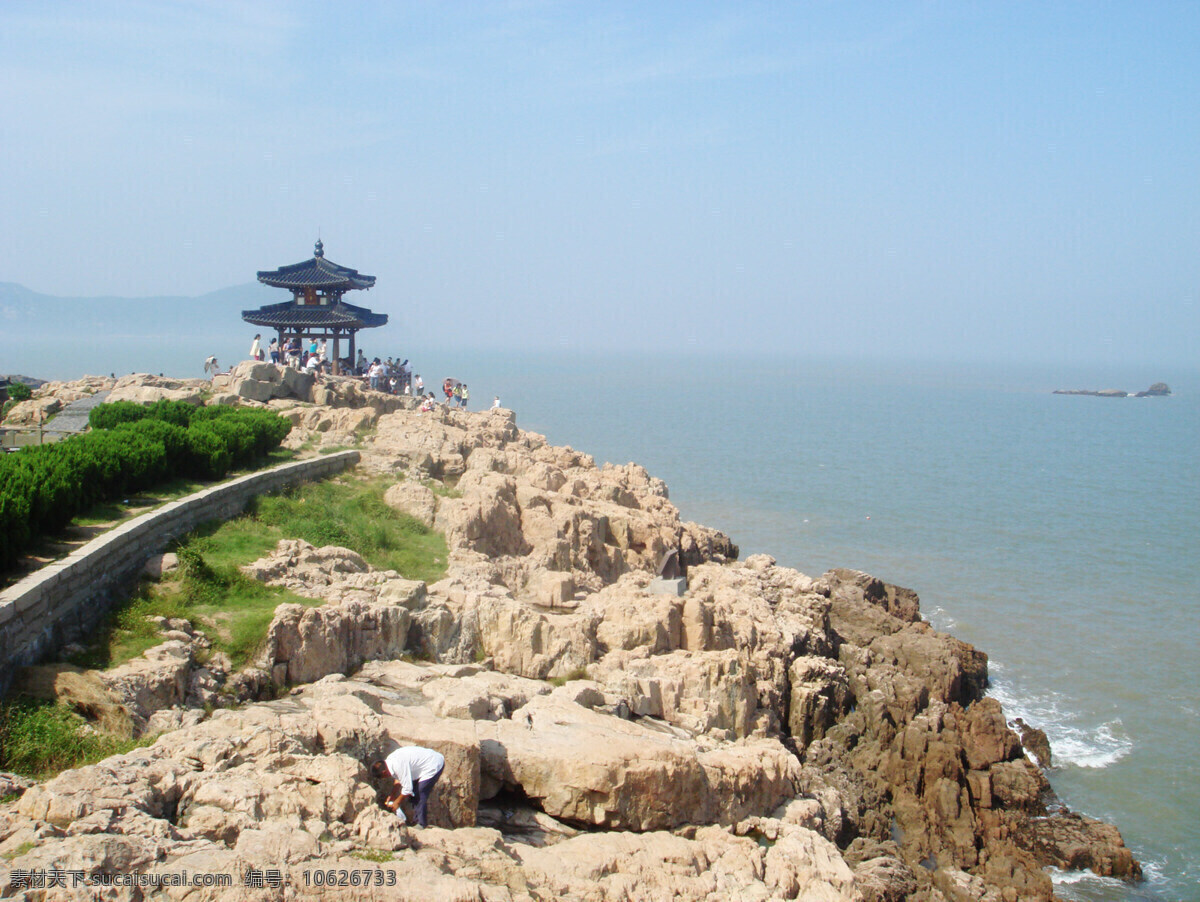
[(1157, 390)]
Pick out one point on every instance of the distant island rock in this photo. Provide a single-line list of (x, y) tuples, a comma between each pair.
[(1157, 390)]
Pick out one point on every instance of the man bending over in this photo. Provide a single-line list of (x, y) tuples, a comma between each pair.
[(414, 771)]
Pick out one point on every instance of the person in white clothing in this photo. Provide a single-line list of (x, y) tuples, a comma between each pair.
[(414, 772)]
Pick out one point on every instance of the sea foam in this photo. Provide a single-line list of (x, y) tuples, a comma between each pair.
[(1073, 741)]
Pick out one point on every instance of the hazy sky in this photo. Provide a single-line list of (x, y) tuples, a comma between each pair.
[(984, 179)]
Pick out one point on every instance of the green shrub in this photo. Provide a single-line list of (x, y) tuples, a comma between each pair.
[(113, 413), (207, 456), (130, 448), (19, 391), (178, 413)]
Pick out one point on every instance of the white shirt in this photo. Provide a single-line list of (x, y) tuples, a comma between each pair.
[(412, 764)]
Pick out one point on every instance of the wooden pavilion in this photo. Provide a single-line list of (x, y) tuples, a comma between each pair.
[(316, 309)]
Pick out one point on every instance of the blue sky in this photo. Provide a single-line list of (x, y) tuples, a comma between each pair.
[(920, 180)]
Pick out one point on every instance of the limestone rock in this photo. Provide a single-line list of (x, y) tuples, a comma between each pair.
[(33, 411), (314, 642), (1073, 842), (820, 695), (145, 389), (414, 499), (157, 679), (635, 777)]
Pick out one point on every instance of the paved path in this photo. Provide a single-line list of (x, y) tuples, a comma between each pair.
[(74, 417)]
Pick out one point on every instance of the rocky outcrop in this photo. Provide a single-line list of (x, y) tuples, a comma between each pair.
[(33, 411), (261, 382), (144, 389), (766, 735)]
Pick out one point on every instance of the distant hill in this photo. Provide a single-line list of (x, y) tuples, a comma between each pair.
[(63, 338), (41, 316)]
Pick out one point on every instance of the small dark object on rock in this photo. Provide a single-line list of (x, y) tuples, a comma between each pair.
[(671, 566), (1035, 742)]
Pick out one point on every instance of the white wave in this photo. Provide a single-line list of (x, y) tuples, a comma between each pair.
[(940, 619), (1084, 886), (1073, 741), (1105, 745), (1067, 878), (1153, 870)]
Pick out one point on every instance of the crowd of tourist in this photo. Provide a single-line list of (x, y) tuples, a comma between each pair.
[(392, 375)]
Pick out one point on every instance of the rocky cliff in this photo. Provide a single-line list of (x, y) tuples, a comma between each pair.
[(765, 735)]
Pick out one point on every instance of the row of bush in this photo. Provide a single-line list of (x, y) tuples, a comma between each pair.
[(130, 448)]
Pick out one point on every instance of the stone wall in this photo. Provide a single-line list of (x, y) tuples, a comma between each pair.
[(62, 601)]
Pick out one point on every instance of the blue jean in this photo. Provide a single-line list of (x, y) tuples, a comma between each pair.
[(421, 793)]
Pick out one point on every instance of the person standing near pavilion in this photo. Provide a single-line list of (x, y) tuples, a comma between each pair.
[(464, 397), (419, 385), (256, 348), (273, 351)]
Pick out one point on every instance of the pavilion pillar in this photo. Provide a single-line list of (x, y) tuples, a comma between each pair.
[(353, 357), (337, 363)]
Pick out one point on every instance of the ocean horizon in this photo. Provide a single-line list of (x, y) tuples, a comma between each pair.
[(1055, 533)]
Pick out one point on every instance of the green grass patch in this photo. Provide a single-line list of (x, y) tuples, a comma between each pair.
[(579, 673), (20, 850), (234, 610), (441, 489), (39, 739), (127, 630), (352, 513), (379, 856)]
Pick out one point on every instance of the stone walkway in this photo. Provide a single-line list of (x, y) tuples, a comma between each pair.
[(74, 417)]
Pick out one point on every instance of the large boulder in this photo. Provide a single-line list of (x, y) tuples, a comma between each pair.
[(634, 777), (412, 498), (145, 389), (305, 644)]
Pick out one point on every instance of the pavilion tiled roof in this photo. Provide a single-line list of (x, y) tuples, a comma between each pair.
[(316, 273), (291, 315)]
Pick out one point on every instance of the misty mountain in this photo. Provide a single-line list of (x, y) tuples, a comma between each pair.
[(26, 315)]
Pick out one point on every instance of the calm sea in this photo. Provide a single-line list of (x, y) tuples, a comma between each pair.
[(1056, 533)]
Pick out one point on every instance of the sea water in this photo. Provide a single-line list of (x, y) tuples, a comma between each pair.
[(1056, 533)]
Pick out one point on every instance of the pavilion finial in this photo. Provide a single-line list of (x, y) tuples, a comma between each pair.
[(319, 250)]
